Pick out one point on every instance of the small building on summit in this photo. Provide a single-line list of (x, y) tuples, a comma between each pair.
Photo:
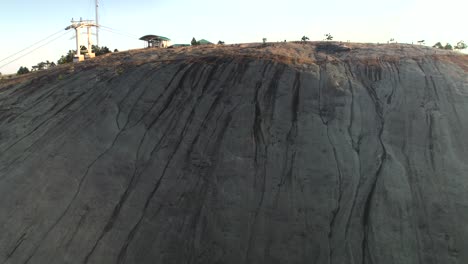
[(153, 41)]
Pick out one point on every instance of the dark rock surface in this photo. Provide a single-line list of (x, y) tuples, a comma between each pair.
[(238, 155), (331, 48)]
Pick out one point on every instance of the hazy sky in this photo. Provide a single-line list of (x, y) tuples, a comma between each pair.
[(24, 22)]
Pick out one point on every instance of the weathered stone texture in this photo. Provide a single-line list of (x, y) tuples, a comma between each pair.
[(344, 159)]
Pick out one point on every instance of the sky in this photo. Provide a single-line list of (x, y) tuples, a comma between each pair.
[(25, 22)]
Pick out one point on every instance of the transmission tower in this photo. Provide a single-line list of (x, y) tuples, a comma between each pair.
[(78, 25), (97, 23)]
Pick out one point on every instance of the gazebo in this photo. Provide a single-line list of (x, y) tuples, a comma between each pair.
[(154, 41)]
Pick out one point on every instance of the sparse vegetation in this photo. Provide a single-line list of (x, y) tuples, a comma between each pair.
[(22, 70), (461, 45), (119, 71), (194, 42), (328, 36), (43, 65), (100, 50), (67, 58), (447, 46), (438, 45)]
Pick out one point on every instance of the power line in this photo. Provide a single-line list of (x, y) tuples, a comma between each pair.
[(67, 32), (105, 28), (118, 31), (42, 40), (128, 35)]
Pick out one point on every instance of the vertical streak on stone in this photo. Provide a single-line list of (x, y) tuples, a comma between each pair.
[(356, 144), (290, 151), (259, 140), (340, 194), (430, 121), (131, 89), (75, 195), (123, 251), (366, 254), (123, 198), (155, 102), (269, 99), (336, 210), (320, 85)]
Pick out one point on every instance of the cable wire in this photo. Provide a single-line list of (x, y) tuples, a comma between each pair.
[(105, 28), (119, 32), (67, 32), (42, 40)]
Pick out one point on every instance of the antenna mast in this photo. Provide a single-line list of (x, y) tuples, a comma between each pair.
[(97, 23)]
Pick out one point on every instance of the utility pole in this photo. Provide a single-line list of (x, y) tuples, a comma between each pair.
[(97, 23), (78, 25)]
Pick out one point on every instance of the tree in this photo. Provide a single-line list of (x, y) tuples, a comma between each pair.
[(116, 50), (438, 45), (461, 45), (103, 50), (98, 51), (194, 42), (22, 70), (43, 65), (220, 42), (328, 36), (304, 39), (67, 58), (448, 46)]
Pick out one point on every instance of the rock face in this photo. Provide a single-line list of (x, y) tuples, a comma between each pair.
[(276, 154)]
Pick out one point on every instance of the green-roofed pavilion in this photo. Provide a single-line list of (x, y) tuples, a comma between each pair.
[(154, 41)]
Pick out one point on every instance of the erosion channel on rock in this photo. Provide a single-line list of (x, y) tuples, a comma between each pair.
[(277, 153)]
